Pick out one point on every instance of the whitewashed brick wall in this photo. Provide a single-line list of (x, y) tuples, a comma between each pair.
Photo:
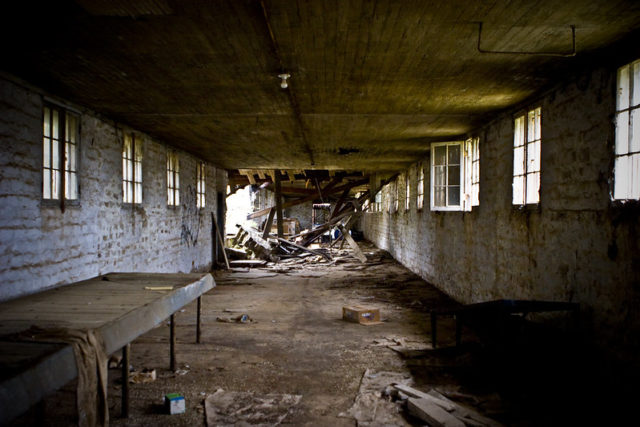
[(41, 247), (578, 246)]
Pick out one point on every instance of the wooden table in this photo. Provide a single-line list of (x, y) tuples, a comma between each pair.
[(117, 305)]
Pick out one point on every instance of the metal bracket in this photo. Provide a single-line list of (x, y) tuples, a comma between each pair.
[(522, 52)]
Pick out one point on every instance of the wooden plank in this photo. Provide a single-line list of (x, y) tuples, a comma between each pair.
[(431, 413), (302, 248), (412, 392), (220, 240), (356, 249), (268, 224), (279, 217)]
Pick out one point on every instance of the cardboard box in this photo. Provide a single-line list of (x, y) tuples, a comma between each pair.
[(174, 403), (363, 315)]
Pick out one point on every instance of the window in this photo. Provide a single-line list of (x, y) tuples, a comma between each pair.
[(472, 172), (627, 163), (420, 198), (173, 179), (446, 176), (131, 170), (407, 192), (526, 158), (60, 154), (200, 186)]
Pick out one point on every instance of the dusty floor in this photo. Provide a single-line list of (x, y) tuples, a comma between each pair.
[(298, 344)]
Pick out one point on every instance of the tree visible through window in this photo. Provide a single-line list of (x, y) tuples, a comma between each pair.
[(627, 164), (526, 158)]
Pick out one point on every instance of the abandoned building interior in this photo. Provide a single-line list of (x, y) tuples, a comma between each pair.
[(197, 196)]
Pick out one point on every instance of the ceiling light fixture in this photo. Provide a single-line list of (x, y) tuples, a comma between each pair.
[(284, 77)]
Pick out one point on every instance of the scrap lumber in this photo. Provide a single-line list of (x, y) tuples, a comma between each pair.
[(431, 413), (328, 190), (412, 392), (356, 249), (465, 413), (267, 225), (302, 248)]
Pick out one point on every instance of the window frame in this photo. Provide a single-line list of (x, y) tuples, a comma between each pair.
[(524, 140), (173, 178), (627, 154), (472, 173), (446, 186), (66, 170), (132, 159), (201, 185), (407, 192), (420, 187)]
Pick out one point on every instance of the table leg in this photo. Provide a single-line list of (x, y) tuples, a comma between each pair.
[(126, 351), (198, 324), (172, 344)]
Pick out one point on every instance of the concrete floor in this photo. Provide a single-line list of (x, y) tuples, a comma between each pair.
[(298, 344)]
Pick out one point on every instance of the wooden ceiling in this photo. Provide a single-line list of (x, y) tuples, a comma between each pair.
[(372, 82)]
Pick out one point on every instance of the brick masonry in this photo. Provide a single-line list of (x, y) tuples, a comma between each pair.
[(41, 247), (577, 245)]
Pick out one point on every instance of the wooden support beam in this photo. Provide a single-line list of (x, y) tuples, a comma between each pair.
[(356, 249), (268, 224), (261, 174), (279, 218), (329, 189), (291, 176)]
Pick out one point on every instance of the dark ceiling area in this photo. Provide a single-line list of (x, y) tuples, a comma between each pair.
[(372, 82)]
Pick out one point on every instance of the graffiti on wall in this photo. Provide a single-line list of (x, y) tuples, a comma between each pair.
[(191, 218)]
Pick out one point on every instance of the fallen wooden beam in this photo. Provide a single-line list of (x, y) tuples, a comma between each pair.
[(302, 248), (328, 190), (356, 249), (432, 414), (412, 392)]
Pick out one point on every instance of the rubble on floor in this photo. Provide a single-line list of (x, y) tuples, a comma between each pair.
[(245, 408)]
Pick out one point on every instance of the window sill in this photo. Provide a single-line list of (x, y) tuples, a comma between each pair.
[(55, 203)]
